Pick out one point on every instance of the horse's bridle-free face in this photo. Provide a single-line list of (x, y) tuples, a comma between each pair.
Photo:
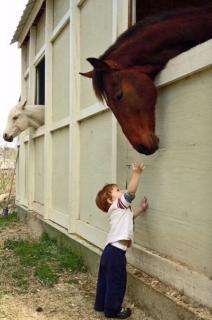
[(132, 98), (131, 95)]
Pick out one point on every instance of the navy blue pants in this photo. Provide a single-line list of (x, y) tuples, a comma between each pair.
[(111, 284)]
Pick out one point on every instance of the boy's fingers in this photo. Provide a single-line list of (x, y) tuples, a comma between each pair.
[(141, 166), (138, 166)]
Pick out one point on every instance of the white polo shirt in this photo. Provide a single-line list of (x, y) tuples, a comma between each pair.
[(121, 219)]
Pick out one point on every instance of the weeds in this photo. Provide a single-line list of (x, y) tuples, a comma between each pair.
[(5, 221), (7, 175), (20, 279), (44, 259), (46, 275)]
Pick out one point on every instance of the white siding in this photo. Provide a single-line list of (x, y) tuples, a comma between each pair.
[(60, 7), (178, 178), (39, 170), (40, 32), (60, 176), (95, 166), (93, 43), (60, 80)]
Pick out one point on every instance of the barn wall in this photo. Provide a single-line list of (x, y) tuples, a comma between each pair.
[(94, 158), (177, 179), (40, 32), (60, 75), (39, 171), (63, 164), (60, 8), (93, 43), (60, 178)]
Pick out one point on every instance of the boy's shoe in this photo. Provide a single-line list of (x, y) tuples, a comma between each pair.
[(98, 309), (124, 313)]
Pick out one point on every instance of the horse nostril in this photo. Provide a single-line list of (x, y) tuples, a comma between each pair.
[(142, 149), (7, 137), (145, 150), (119, 95)]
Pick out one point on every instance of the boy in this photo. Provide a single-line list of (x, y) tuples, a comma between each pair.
[(111, 283)]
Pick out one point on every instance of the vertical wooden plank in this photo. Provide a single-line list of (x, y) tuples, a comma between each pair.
[(74, 152), (131, 12), (48, 111), (31, 97), (120, 23), (23, 70), (113, 119), (20, 142), (22, 159)]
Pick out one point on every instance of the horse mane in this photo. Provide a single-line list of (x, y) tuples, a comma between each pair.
[(140, 26), (98, 85), (35, 112), (146, 22)]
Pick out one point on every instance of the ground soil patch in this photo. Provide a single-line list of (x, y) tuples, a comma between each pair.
[(71, 298)]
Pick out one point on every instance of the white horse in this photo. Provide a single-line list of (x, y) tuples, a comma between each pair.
[(21, 117)]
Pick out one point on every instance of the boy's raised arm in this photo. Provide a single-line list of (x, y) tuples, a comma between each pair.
[(137, 169)]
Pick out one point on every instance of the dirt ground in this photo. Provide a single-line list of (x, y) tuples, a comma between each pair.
[(64, 301)]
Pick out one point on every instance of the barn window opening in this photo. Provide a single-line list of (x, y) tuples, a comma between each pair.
[(147, 8), (40, 82)]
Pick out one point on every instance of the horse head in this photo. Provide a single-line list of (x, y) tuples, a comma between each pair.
[(21, 117), (16, 122), (131, 95)]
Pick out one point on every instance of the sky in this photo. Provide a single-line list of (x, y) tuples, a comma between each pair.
[(10, 58)]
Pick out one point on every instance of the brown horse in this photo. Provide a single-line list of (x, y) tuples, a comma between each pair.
[(123, 76)]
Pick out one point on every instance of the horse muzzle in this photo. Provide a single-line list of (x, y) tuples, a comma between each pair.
[(145, 150), (149, 149), (7, 137)]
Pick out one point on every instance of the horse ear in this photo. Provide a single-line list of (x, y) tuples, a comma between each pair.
[(98, 64), (23, 104), (87, 74)]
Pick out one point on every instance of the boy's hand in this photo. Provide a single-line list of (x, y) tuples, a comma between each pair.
[(142, 208), (144, 204), (138, 168)]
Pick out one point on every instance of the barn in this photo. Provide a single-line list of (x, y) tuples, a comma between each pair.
[(64, 163)]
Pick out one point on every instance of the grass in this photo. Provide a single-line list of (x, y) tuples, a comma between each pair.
[(44, 260), (20, 280), (5, 221)]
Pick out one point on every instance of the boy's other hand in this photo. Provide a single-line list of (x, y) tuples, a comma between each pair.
[(144, 204), (141, 209)]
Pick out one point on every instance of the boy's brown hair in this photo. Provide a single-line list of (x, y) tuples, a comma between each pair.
[(103, 195)]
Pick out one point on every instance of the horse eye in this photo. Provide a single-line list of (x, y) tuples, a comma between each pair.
[(15, 117), (119, 95)]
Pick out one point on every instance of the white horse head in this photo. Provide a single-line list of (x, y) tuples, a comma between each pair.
[(21, 117)]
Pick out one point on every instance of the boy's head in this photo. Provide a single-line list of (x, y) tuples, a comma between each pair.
[(107, 195)]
